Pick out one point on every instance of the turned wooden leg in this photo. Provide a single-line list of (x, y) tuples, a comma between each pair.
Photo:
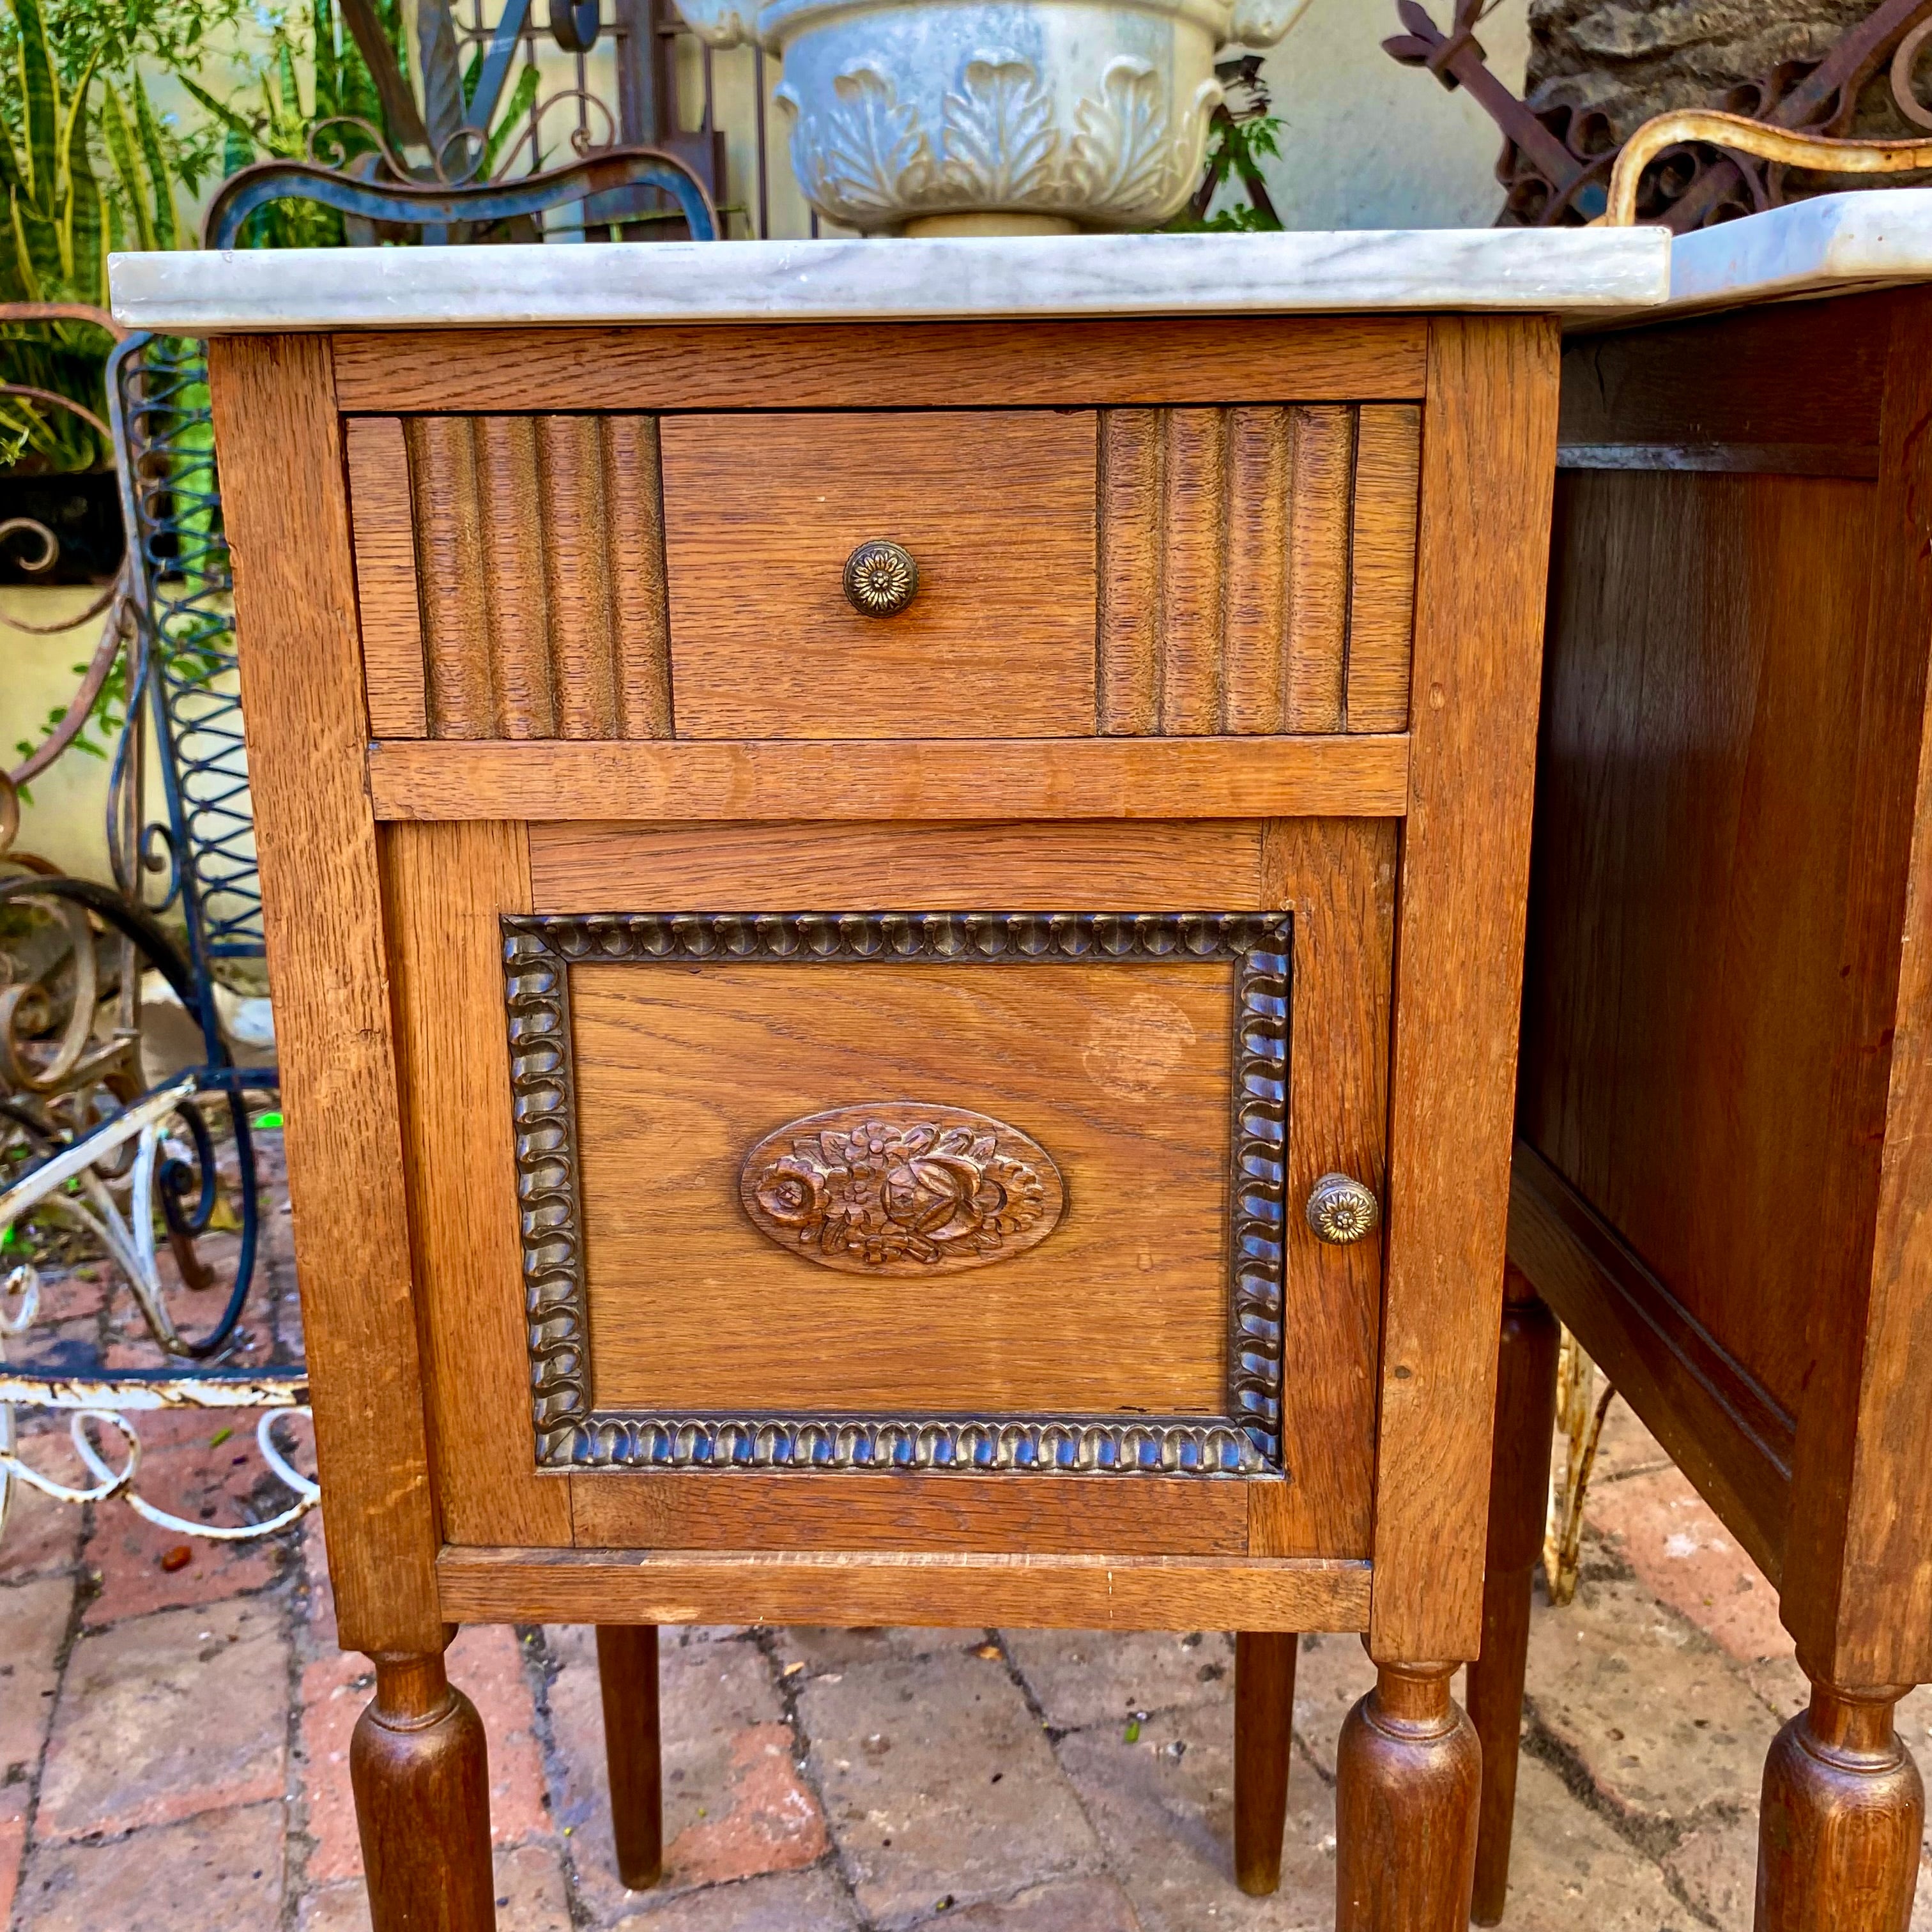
[(1263, 1725), (1518, 1503), (1407, 1770), (627, 1667), (1839, 1829), (420, 1771)]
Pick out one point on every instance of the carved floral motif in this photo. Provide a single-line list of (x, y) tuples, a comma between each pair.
[(1131, 155), (899, 1188)]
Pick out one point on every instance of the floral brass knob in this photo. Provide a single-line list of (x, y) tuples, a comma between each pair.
[(881, 579), (1341, 1211)]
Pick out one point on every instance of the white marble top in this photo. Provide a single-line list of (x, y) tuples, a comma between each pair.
[(1566, 272), (1834, 245)]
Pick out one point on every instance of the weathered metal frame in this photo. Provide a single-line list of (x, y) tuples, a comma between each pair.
[(1563, 162), (539, 953)]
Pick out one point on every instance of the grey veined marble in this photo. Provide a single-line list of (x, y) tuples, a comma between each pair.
[(1835, 243), (1585, 271)]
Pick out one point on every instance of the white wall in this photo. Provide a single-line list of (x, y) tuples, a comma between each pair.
[(1367, 144)]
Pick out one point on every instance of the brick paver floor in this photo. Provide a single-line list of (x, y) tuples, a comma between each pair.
[(174, 1738)]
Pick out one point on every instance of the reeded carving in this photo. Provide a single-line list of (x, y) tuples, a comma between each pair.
[(1257, 568), (538, 953), (539, 556), (898, 1187)]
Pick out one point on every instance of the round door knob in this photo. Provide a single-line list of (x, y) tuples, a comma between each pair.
[(1341, 1211), (881, 579)]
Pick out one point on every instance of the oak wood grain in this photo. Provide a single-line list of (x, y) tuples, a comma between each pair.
[(446, 887), (1193, 544), (1843, 1818), (1121, 1073), (287, 522), (451, 576), (1685, 1006), (1488, 468), (1519, 1506), (1857, 1590), (1339, 878), (1322, 488), (516, 610), (1807, 375), (1131, 451), (1722, 1427), (1381, 593), (539, 550), (1407, 1767), (935, 779), (1152, 867), (386, 577), (1229, 576), (1064, 1515), (1260, 498), (1175, 359), (859, 1588), (996, 508)]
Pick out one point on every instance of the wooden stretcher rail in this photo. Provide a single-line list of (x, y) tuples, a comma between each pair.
[(857, 1589), (1337, 777), (903, 365)]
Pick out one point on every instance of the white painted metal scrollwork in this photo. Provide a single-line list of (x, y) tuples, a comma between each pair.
[(94, 1404)]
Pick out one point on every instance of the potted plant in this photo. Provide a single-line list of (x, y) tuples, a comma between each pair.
[(934, 117)]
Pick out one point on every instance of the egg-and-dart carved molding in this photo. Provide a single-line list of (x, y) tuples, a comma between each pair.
[(539, 950)]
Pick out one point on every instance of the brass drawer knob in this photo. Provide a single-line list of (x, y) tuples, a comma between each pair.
[(1341, 1211), (881, 579)]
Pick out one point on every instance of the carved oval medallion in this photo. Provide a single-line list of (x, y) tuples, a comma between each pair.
[(897, 1187)]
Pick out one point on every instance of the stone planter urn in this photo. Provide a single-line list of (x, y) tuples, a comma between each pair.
[(943, 117)]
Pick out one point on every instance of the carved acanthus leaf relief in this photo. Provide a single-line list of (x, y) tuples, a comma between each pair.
[(898, 1187), (998, 146)]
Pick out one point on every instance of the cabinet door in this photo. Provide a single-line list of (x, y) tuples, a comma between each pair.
[(981, 1221)]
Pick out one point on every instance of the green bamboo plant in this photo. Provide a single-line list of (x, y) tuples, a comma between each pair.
[(59, 228)]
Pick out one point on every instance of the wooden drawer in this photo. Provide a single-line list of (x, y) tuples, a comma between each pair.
[(996, 507), (1237, 572), (916, 1197)]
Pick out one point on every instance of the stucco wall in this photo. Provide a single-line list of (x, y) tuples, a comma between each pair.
[(1367, 144), (64, 816)]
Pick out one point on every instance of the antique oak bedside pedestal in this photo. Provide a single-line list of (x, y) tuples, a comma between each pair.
[(897, 942), (1724, 1172)]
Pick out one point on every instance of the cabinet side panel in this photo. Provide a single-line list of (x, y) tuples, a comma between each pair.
[(287, 517), (1685, 1002)]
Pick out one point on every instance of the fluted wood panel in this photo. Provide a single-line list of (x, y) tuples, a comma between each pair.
[(539, 544), (1247, 556)]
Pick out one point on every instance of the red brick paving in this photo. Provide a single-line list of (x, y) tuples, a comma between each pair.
[(181, 1762)]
